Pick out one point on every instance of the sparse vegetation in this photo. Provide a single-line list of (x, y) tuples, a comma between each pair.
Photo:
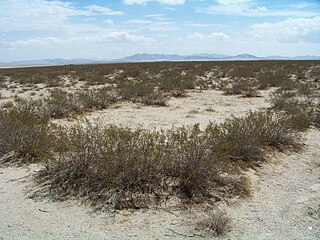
[(120, 167)]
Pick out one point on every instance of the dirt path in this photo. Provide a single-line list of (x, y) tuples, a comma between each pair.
[(285, 205)]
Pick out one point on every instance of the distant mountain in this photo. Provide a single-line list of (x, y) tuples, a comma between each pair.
[(150, 57), (205, 57), (174, 57), (244, 57), (145, 57)]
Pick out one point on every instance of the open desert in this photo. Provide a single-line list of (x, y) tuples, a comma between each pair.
[(202, 120)]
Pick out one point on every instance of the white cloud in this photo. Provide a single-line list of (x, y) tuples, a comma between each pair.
[(215, 36), (252, 8), (119, 37), (196, 36), (218, 36), (198, 25), (169, 2), (139, 21), (228, 2), (109, 22), (289, 30), (22, 15), (156, 15), (103, 10), (155, 24)]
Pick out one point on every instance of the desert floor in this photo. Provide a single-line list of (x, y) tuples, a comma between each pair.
[(285, 201)]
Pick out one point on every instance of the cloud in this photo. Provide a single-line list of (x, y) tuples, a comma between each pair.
[(289, 30), (153, 23), (103, 10), (228, 2), (109, 22), (169, 2), (23, 15), (196, 36), (215, 36), (197, 25), (254, 9), (119, 37), (156, 15)]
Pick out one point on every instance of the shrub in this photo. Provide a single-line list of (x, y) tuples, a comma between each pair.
[(99, 98), (300, 111), (192, 164), (115, 166), (216, 223), (7, 105), (245, 87), (154, 99), (60, 104), (24, 135), (132, 168), (245, 138), (276, 78), (240, 71), (173, 80), (134, 90)]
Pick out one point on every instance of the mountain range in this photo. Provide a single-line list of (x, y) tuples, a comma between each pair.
[(145, 57)]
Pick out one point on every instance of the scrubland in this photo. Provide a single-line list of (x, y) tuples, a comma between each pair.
[(184, 146)]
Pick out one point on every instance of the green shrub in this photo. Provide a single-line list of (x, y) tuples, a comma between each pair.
[(61, 104), (96, 99), (300, 111), (115, 166), (276, 78), (245, 87), (192, 164), (25, 136), (245, 138), (135, 90)]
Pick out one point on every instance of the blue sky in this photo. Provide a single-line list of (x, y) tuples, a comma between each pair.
[(105, 29)]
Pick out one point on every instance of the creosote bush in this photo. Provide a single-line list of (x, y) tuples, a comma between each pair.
[(245, 87), (245, 138), (216, 223), (112, 165), (301, 109), (192, 164), (24, 136), (133, 168)]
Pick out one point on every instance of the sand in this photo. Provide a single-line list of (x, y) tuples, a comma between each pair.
[(199, 107)]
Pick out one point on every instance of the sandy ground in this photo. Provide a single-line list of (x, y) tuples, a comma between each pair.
[(286, 197), (285, 203), (199, 107)]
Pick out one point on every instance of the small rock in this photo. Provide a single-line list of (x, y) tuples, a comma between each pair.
[(310, 228)]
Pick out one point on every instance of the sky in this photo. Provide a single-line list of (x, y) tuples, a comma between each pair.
[(105, 29)]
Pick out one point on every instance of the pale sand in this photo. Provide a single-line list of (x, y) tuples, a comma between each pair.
[(199, 107), (284, 205)]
